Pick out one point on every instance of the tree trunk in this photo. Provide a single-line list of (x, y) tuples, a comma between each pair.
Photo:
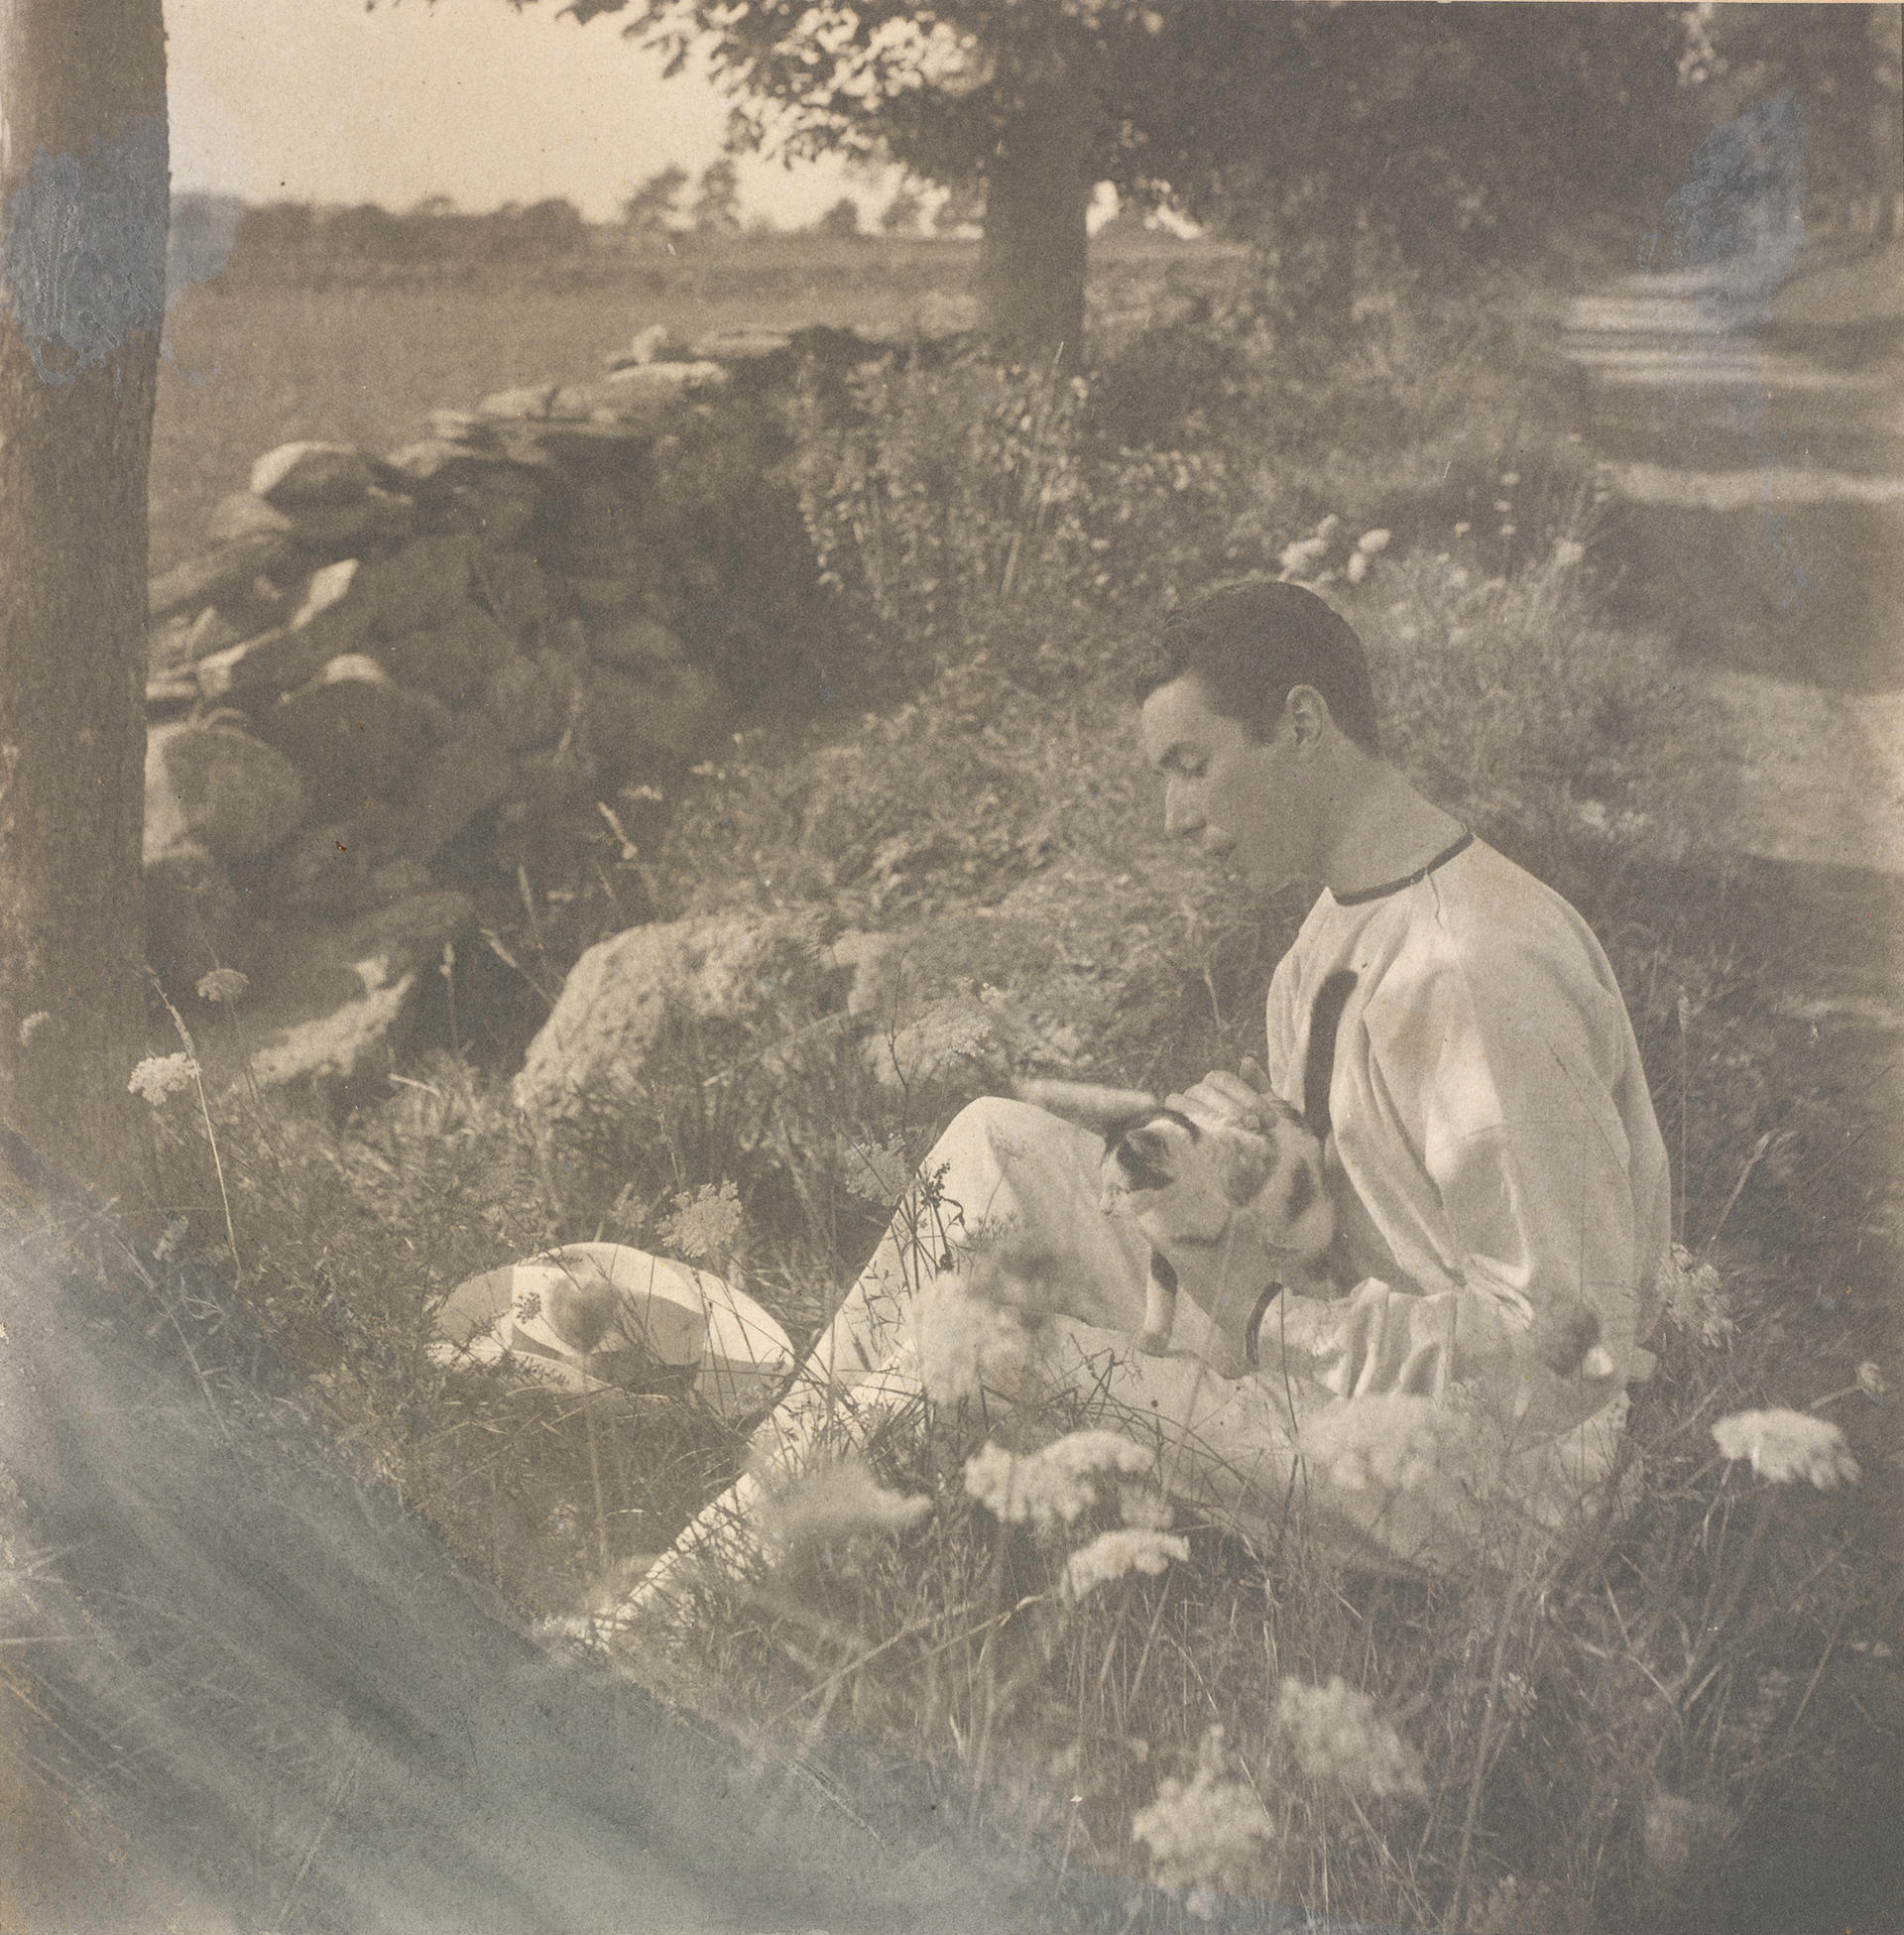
[(84, 197), (1037, 189)]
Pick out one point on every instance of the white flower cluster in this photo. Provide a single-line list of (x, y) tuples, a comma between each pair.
[(1785, 1446), (1387, 1443), (226, 984), (1694, 1298), (1339, 1734), (838, 1500), (1299, 561), (703, 1224), (1054, 1485), (1208, 1832), (1115, 1554), (159, 1076), (877, 1173), (967, 1345)]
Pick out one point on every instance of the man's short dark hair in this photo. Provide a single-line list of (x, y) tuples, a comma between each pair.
[(1250, 644)]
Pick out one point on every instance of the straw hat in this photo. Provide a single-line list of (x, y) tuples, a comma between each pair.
[(602, 1316)]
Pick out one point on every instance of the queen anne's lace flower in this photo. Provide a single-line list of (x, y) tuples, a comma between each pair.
[(1340, 1734), (1114, 1554), (1785, 1445), (1208, 1832), (1391, 1443), (838, 1501), (159, 1076), (967, 1345), (223, 985), (1052, 1486)]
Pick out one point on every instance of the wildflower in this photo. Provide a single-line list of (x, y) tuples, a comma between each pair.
[(1302, 553), (224, 985), (966, 1345), (1871, 1381), (1694, 1298), (1054, 1485), (1569, 553), (1508, 530), (1139, 1504), (159, 1076), (836, 1502), (1392, 1442), (1371, 542), (878, 1173), (704, 1224), (1339, 1734), (1462, 529), (1356, 568), (1207, 1833), (1784, 1445), (1114, 1554)]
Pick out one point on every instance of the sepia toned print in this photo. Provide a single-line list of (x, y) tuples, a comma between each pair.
[(995, 1035)]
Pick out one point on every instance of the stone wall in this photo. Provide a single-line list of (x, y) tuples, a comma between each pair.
[(398, 685)]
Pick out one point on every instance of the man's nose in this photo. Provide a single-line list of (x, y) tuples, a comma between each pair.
[(1180, 814)]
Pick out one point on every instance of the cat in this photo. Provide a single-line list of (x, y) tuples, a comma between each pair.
[(1239, 1205)]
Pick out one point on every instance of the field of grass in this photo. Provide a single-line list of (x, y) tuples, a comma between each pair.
[(1693, 1727), (256, 359)]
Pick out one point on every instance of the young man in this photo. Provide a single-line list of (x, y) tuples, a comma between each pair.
[(1498, 1181)]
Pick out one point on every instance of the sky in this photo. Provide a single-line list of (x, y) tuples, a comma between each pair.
[(322, 101)]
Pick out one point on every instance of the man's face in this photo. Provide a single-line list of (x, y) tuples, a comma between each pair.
[(1235, 797)]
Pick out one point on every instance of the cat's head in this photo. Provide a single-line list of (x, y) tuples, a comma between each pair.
[(1191, 1179)]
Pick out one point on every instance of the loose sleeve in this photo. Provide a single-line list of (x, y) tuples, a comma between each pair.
[(1495, 1082)]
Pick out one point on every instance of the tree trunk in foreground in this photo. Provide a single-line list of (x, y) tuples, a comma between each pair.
[(1037, 189), (83, 196)]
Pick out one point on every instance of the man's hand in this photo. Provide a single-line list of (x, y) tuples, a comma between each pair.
[(1222, 1099)]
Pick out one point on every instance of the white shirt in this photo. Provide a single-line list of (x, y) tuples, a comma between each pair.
[(1494, 1158)]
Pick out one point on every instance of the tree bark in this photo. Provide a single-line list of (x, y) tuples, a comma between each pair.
[(84, 197), (1037, 189)]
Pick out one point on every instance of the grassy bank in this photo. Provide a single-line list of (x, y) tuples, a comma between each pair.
[(1664, 1728)]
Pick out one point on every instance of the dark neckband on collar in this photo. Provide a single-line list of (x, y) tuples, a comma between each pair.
[(1415, 879)]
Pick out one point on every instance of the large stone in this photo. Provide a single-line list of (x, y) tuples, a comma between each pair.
[(657, 343), (512, 584), (417, 587), (217, 787), (661, 715), (641, 643), (534, 697), (314, 525), (241, 514), (274, 660), (352, 732), (644, 389), (748, 344), (322, 871), (312, 473), (498, 514), (460, 426), (452, 660), (200, 580), (463, 776), (531, 401), (436, 464), (608, 594), (724, 973), (333, 1001), (194, 919)]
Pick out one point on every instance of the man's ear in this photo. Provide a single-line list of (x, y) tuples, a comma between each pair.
[(1308, 714)]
